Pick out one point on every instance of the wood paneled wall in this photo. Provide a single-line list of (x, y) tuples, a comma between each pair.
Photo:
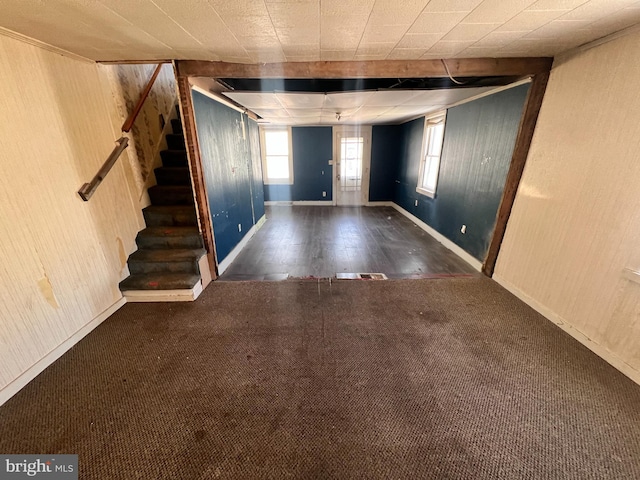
[(575, 225), (61, 258)]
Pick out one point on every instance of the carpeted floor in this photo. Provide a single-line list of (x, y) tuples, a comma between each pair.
[(400, 379)]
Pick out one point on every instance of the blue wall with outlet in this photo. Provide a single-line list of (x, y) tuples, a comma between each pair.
[(312, 174), (478, 143), (385, 160), (232, 176)]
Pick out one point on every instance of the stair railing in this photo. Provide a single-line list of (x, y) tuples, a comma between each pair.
[(88, 189)]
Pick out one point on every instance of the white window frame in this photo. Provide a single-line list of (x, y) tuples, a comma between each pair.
[(263, 152), (430, 120)]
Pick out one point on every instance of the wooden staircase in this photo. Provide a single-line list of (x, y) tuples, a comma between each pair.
[(166, 265)]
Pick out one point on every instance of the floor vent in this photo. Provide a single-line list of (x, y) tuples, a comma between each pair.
[(361, 276)]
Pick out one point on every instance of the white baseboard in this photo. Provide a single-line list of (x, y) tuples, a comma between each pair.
[(603, 352), (470, 259), (380, 204), (183, 295), (32, 372), (224, 264), (301, 203)]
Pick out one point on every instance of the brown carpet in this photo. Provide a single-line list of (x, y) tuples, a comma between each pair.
[(404, 379)]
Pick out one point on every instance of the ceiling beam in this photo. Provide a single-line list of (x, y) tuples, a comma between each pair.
[(458, 67)]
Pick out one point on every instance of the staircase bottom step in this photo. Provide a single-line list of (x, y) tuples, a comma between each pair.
[(139, 296), (156, 286)]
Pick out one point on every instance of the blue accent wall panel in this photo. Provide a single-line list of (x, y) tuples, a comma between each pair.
[(223, 134), (478, 144), (386, 141), (312, 174)]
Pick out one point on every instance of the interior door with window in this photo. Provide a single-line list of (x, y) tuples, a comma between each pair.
[(352, 160)]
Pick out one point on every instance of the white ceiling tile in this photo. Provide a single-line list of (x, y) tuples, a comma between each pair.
[(311, 29), (238, 9), (303, 113), (346, 100), (365, 58), (337, 55), (299, 35), (406, 53), (255, 99), (436, 22), (375, 48), (259, 42), (498, 39), (530, 20), (478, 52), (491, 11), (289, 15), (252, 26), (346, 7), (390, 98), (469, 32), (452, 5), (556, 30), (448, 49), (383, 33), (445, 97), (300, 100), (419, 40), (593, 10), (301, 50), (556, 4)]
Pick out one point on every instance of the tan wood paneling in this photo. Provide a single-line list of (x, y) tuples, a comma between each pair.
[(575, 224), (62, 258)]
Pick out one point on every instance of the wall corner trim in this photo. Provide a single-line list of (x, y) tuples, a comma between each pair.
[(32, 372), (601, 351), (222, 266), (474, 262)]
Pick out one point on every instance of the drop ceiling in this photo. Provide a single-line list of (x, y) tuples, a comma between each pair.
[(360, 107), (251, 31)]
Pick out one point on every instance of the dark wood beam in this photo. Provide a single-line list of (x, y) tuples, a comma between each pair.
[(458, 67), (519, 157), (197, 174)]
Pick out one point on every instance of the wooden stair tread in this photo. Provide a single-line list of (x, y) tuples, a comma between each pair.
[(160, 281), (167, 255), (169, 231)]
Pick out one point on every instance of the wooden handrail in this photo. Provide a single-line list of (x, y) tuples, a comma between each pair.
[(87, 190), (126, 126)]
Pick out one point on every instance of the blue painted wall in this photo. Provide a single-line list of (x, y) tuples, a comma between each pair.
[(225, 141), (385, 161), (312, 174), (478, 143)]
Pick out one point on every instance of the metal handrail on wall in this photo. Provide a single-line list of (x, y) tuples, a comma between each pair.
[(88, 189)]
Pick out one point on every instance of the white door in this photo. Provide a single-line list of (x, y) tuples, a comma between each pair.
[(352, 160)]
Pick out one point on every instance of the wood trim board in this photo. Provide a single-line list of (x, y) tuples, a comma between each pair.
[(187, 116), (528, 120), (458, 67)]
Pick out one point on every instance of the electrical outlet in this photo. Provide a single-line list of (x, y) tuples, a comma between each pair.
[(324, 194), (416, 203), (239, 227), (463, 229)]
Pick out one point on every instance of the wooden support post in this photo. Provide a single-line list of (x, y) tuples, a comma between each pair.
[(197, 175), (520, 151)]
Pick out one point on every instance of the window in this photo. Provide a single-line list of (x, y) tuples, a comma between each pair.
[(277, 160), (431, 151)]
